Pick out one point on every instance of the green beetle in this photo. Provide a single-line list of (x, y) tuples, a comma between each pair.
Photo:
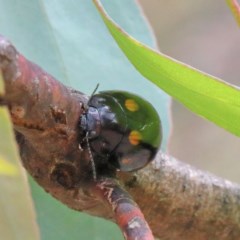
[(123, 130)]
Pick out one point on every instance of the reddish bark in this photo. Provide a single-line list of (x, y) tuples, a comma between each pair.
[(46, 116), (127, 214)]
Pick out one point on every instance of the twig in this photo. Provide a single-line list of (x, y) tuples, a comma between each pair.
[(46, 119), (127, 214)]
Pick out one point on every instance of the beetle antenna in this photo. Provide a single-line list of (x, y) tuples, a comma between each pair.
[(94, 91), (91, 158)]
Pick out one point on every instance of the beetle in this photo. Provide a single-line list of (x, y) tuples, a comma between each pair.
[(122, 130)]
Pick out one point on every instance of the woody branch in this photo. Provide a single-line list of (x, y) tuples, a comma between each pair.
[(178, 201)]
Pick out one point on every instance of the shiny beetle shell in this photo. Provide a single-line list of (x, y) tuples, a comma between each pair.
[(123, 129)]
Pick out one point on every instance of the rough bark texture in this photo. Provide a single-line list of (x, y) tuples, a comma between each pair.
[(181, 202), (46, 118), (127, 214), (178, 201)]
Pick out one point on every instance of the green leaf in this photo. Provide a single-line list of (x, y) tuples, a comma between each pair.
[(68, 39), (1, 84), (203, 94), (235, 9), (6, 168), (17, 217)]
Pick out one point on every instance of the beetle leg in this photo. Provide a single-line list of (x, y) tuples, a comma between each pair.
[(91, 159)]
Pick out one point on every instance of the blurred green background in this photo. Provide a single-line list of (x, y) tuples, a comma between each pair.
[(204, 35)]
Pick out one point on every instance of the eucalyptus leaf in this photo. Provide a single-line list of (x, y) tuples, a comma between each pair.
[(6, 168), (203, 94), (235, 9), (17, 217), (1, 84)]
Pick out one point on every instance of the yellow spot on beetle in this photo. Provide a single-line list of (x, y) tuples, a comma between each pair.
[(135, 137), (131, 105)]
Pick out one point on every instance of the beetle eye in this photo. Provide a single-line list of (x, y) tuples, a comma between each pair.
[(93, 124)]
